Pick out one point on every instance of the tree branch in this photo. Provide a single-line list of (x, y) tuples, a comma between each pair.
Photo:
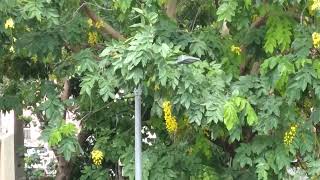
[(106, 28), (255, 68), (259, 22), (66, 90)]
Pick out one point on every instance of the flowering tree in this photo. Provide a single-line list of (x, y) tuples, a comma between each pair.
[(248, 110)]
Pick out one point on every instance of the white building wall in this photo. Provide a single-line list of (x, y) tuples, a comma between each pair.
[(7, 157), (6, 122), (6, 146)]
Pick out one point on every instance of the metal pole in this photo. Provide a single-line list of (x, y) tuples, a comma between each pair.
[(137, 135)]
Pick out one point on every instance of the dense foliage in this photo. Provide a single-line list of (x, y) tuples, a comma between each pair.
[(250, 109)]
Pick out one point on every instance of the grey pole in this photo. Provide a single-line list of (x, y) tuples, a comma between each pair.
[(137, 135), (183, 59)]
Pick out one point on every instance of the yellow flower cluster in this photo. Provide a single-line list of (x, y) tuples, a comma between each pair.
[(315, 5), (97, 157), (90, 22), (171, 122), (9, 24), (290, 134), (316, 39), (99, 24), (236, 49), (92, 38)]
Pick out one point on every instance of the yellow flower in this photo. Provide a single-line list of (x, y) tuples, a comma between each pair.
[(90, 22), (236, 49), (9, 24), (156, 87), (316, 39), (315, 5), (12, 49), (92, 38), (290, 134), (97, 157), (99, 24), (171, 122)]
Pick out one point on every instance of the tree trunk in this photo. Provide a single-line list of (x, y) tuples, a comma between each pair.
[(172, 9), (18, 147), (64, 168)]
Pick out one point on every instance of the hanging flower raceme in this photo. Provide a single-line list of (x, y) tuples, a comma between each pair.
[(97, 157), (92, 38), (290, 134), (9, 24), (171, 122), (99, 24), (90, 22), (237, 50), (316, 39)]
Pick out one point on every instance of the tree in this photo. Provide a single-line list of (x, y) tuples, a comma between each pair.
[(249, 109)]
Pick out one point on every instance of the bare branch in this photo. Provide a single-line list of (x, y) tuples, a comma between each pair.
[(259, 22), (106, 28)]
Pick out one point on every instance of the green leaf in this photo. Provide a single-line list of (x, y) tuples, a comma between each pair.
[(88, 83), (282, 157), (33, 9), (198, 48), (68, 129), (105, 89), (227, 10), (314, 166), (140, 11), (85, 61), (164, 50), (123, 5), (262, 169), (299, 83), (302, 42), (243, 155), (137, 75), (239, 102), (53, 108), (230, 115), (55, 138), (247, 3), (278, 34), (251, 115), (67, 148)]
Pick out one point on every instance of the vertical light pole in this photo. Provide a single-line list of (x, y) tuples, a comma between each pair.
[(137, 133), (183, 59)]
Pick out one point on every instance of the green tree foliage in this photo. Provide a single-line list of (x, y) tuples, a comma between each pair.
[(258, 77)]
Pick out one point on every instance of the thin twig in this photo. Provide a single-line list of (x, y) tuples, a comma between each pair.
[(195, 19), (93, 112), (301, 15)]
